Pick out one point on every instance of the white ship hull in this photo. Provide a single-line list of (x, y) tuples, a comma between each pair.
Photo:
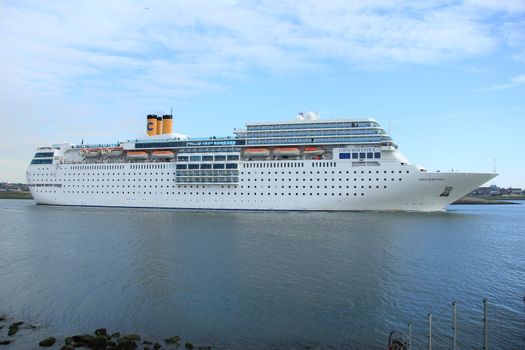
[(305, 164), (284, 185)]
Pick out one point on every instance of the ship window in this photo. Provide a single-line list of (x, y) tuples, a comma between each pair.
[(207, 158), (220, 158), (182, 166), (362, 155), (344, 155), (355, 155), (195, 158), (182, 158), (193, 166), (233, 157), (218, 166), (370, 155), (377, 155), (44, 155)]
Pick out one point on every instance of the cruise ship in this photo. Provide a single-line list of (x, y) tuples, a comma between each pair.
[(303, 164)]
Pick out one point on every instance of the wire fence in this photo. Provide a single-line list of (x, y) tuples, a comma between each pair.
[(493, 326)]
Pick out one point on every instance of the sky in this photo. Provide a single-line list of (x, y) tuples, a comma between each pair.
[(445, 78)]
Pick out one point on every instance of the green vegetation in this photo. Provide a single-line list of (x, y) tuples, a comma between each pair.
[(15, 195), (505, 197), (486, 200)]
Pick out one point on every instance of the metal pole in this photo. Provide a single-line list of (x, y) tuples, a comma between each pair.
[(454, 326), (409, 336), (485, 326), (429, 331)]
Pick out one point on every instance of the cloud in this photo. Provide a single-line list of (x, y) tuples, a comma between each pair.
[(513, 82), (96, 47), (95, 58), (123, 45), (520, 79)]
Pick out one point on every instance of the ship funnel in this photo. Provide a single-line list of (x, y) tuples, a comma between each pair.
[(159, 125), (167, 124), (151, 127)]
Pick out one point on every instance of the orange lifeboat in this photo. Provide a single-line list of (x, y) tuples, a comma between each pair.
[(257, 152), (287, 151), (90, 152), (314, 151), (114, 152), (137, 155), (162, 154)]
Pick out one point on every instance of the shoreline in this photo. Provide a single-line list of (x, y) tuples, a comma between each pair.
[(12, 333), (483, 201), (16, 195)]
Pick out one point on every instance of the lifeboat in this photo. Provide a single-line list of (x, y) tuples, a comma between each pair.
[(287, 151), (137, 155), (90, 152), (257, 152), (314, 151), (162, 154), (114, 152)]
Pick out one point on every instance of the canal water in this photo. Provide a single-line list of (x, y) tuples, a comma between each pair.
[(258, 280)]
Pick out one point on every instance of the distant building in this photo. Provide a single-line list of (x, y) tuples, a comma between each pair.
[(494, 190), (515, 190), (8, 187)]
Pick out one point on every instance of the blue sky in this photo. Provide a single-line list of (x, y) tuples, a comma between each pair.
[(447, 78)]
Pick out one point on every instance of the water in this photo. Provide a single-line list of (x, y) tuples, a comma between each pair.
[(257, 280)]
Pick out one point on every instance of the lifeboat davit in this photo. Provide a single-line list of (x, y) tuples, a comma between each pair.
[(162, 154), (114, 152), (287, 151), (257, 152), (137, 155), (314, 151), (90, 152)]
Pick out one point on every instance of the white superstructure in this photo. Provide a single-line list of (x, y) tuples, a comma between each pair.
[(305, 164)]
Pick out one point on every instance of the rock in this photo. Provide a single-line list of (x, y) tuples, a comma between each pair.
[(115, 335), (99, 342), (127, 345), (101, 331), (66, 347), (111, 344), (13, 328), (69, 340), (82, 340), (132, 336), (157, 346), (172, 340), (147, 342), (2, 319), (188, 345), (147, 348), (47, 342), (5, 342), (204, 347)]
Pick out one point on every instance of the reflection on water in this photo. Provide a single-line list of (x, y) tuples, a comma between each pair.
[(260, 279)]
